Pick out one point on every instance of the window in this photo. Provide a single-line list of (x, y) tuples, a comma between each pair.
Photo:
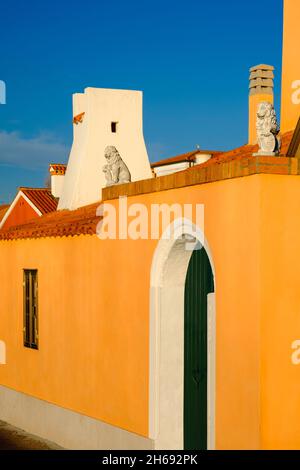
[(30, 295), (114, 127)]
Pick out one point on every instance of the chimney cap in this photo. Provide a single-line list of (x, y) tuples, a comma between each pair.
[(261, 67), (261, 74), (57, 168), (261, 79), (264, 82)]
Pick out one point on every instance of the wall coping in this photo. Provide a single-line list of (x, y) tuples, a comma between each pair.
[(206, 173)]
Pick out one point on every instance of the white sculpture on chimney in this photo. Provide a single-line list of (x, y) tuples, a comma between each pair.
[(116, 171), (267, 129)]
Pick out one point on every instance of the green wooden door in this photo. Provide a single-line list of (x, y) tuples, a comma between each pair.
[(199, 283)]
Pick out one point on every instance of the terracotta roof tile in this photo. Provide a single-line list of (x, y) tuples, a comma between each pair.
[(57, 168), (239, 152), (246, 151), (227, 165), (78, 119), (57, 224), (84, 220), (41, 198), (3, 210)]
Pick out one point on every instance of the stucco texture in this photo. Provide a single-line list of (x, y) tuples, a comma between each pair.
[(94, 316), (290, 91)]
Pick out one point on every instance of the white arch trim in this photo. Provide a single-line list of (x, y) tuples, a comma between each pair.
[(169, 268), (2, 352)]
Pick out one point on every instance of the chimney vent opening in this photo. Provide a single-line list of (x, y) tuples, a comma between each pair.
[(114, 127)]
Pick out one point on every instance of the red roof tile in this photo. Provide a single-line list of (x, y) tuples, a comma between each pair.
[(243, 151), (78, 119), (3, 210), (57, 224), (84, 220), (246, 151), (57, 168), (41, 198)]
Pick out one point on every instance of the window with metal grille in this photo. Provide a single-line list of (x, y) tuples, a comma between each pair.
[(30, 289)]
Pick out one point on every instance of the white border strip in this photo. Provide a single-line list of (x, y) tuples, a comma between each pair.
[(160, 257)]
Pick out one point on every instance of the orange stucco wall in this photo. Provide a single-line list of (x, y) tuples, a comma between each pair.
[(290, 97), (280, 317), (94, 315), (21, 213)]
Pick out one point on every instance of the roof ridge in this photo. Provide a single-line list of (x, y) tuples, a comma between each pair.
[(192, 152), (34, 189), (182, 157), (53, 164)]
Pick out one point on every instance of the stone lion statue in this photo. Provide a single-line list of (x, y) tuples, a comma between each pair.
[(115, 170), (267, 129)]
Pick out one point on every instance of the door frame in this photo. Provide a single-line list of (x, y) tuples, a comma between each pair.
[(168, 273)]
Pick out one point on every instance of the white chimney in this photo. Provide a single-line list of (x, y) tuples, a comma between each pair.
[(57, 174), (103, 120)]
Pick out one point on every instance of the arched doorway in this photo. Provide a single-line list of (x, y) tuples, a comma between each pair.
[(199, 284), (168, 415)]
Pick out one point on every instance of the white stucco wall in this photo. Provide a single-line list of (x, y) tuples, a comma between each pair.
[(57, 183), (66, 428), (202, 158), (180, 166), (172, 168), (84, 177)]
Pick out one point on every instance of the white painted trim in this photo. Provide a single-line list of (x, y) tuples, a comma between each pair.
[(211, 370), (67, 428), (11, 207), (171, 168), (160, 258), (2, 352)]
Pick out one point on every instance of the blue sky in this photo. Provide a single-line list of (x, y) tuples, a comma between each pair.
[(190, 58)]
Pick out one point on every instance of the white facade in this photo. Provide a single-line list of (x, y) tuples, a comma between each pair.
[(170, 168), (57, 184), (84, 177)]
